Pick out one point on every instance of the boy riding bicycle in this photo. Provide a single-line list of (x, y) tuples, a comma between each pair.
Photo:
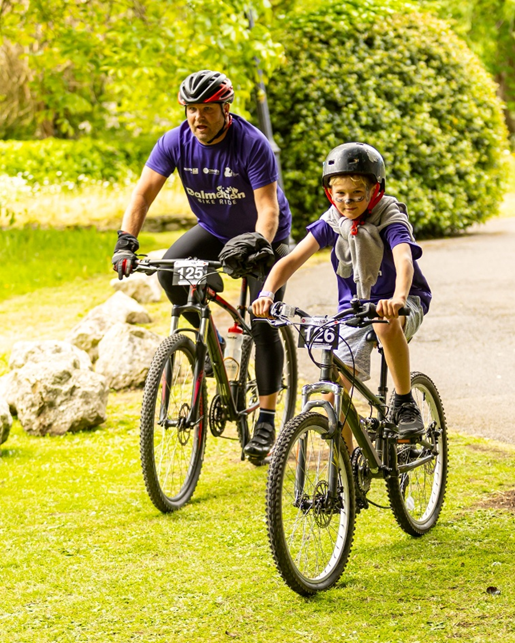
[(374, 257)]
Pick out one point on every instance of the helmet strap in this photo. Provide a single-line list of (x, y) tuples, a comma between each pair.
[(328, 195), (225, 126), (377, 195)]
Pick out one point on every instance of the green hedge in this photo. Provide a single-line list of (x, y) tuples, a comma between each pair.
[(55, 161), (403, 83)]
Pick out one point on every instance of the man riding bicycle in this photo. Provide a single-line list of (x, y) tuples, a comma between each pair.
[(229, 173)]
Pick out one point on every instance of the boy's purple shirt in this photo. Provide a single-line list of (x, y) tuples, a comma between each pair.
[(384, 288), (220, 179)]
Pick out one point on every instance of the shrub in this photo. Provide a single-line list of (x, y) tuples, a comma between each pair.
[(56, 161), (408, 86)]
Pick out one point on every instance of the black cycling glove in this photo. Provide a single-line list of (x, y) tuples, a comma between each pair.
[(247, 253), (124, 258)]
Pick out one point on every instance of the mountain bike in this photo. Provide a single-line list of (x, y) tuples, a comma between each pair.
[(176, 411), (315, 488)]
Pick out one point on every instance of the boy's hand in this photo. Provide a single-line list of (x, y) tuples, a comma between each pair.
[(389, 308), (261, 306)]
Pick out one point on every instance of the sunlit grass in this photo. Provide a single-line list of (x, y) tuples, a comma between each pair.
[(86, 556), (35, 258), (99, 204)]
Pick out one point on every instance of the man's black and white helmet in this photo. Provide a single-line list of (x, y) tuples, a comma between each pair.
[(206, 87), (355, 158)]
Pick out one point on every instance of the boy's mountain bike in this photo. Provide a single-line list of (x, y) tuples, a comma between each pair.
[(176, 411), (315, 488)]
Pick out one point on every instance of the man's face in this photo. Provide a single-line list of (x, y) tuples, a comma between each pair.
[(350, 196), (206, 121)]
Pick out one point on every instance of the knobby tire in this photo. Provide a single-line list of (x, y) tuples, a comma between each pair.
[(417, 496), (171, 458), (295, 489)]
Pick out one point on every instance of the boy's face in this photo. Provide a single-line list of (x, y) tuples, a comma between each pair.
[(350, 196)]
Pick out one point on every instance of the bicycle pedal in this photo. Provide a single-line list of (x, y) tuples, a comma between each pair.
[(257, 462)]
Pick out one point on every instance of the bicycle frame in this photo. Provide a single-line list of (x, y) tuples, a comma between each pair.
[(207, 340), (377, 456)]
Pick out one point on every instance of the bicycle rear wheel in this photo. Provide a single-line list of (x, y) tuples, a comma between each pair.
[(310, 532), (417, 496), (171, 452)]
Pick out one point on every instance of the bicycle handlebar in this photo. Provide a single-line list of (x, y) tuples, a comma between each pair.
[(360, 311), (153, 265)]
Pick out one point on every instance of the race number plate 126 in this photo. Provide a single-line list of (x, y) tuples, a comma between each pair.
[(316, 336), (189, 272)]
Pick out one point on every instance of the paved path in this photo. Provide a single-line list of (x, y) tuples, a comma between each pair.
[(467, 341)]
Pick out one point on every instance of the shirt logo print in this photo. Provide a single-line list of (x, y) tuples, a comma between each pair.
[(228, 172), (206, 170), (193, 170)]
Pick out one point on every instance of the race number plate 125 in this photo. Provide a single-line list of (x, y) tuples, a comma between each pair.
[(316, 336), (189, 272)]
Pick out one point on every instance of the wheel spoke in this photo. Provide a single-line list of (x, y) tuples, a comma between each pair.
[(316, 534), (171, 452)]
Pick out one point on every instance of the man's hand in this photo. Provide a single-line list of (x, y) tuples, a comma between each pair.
[(261, 306), (247, 252), (124, 258), (389, 308)]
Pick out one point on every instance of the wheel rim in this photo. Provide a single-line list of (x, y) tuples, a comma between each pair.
[(315, 528), (421, 487), (175, 444)]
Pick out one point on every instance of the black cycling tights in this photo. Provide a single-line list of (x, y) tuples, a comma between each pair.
[(200, 243)]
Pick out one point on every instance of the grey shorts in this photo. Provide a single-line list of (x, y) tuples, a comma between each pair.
[(357, 346)]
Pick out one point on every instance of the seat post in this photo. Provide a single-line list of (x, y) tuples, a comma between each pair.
[(242, 306), (383, 378)]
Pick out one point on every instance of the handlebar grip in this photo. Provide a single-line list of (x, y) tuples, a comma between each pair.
[(372, 311)]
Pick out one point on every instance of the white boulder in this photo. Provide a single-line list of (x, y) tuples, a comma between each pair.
[(56, 397), (117, 309), (143, 288), (88, 333), (124, 355), (47, 351), (6, 421), (123, 309)]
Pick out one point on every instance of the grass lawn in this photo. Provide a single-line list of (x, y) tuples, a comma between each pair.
[(35, 258), (86, 557)]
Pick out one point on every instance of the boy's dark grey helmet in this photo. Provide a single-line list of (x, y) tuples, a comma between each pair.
[(206, 86), (354, 158)]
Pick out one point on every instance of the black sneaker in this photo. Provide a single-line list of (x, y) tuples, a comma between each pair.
[(208, 367), (408, 419), (262, 441)]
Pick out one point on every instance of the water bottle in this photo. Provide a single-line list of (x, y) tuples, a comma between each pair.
[(232, 354)]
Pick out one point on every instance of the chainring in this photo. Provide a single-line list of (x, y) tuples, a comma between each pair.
[(362, 477), (217, 416)]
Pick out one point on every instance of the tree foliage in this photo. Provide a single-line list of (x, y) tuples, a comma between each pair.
[(488, 26), (87, 66), (403, 83)]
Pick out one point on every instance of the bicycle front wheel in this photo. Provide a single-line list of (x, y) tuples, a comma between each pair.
[(310, 516), (171, 452), (416, 496)]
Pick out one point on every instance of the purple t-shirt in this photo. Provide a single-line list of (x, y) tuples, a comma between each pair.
[(220, 179), (384, 287)]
